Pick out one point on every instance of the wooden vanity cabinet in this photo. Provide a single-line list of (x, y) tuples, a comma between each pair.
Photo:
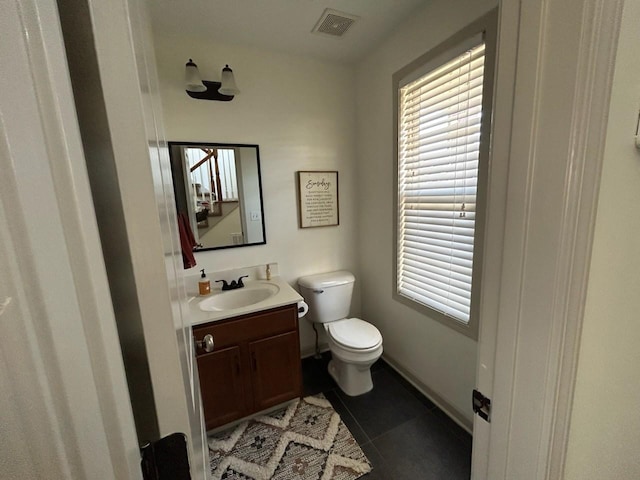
[(272, 361), (222, 368), (255, 364)]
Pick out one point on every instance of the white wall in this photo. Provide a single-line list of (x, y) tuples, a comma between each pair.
[(605, 423), (440, 358), (301, 112)]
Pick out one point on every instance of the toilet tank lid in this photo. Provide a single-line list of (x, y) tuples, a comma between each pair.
[(325, 280)]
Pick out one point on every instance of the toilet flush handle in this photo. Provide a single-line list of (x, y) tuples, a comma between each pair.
[(318, 291)]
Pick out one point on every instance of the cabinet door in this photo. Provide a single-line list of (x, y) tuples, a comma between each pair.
[(222, 386), (275, 365)]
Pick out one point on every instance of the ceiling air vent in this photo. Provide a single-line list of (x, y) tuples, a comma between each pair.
[(334, 23)]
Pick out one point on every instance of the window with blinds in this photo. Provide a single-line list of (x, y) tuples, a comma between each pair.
[(439, 124)]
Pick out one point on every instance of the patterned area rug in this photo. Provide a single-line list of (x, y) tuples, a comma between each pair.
[(304, 441)]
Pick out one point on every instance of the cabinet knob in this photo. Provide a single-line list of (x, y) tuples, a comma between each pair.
[(206, 343)]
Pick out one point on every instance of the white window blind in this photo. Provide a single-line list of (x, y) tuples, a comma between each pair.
[(438, 149)]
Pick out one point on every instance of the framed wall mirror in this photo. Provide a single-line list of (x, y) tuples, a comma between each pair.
[(218, 189)]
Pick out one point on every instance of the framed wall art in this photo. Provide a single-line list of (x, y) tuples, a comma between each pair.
[(318, 199)]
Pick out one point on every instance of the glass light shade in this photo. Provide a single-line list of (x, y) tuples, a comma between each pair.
[(228, 86), (193, 82)]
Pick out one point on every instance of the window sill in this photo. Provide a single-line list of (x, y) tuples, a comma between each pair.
[(469, 329)]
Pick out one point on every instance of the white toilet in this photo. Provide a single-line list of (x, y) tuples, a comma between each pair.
[(355, 344)]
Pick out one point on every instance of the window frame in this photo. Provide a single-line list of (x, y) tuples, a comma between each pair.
[(445, 51)]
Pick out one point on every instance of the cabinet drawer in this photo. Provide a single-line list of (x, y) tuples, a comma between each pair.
[(250, 327)]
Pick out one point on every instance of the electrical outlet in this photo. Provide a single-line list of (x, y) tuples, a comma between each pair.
[(255, 216)]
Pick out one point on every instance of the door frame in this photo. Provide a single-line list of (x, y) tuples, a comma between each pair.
[(549, 133), (143, 190), (577, 161), (65, 407)]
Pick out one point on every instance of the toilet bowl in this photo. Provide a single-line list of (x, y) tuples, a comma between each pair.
[(354, 343), (354, 348)]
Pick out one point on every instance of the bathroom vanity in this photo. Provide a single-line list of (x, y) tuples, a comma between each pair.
[(254, 362)]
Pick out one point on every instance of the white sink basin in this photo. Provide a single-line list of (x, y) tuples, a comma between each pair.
[(242, 297)]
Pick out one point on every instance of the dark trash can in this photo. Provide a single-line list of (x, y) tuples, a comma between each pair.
[(166, 459)]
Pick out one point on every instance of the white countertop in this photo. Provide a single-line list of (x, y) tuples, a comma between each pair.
[(286, 295)]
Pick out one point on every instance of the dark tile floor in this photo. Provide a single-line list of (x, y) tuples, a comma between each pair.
[(403, 434)]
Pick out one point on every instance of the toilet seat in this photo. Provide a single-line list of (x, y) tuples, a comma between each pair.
[(354, 334)]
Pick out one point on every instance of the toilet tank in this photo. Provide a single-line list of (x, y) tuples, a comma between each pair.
[(328, 295)]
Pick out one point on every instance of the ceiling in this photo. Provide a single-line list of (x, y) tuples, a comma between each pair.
[(283, 25)]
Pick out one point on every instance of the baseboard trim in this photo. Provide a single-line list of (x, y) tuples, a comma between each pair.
[(442, 404), (311, 351)]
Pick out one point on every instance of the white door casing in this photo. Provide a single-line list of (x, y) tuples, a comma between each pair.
[(504, 83), (165, 199), (552, 130), (124, 52), (65, 409)]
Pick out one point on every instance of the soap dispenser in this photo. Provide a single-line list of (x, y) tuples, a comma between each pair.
[(204, 285)]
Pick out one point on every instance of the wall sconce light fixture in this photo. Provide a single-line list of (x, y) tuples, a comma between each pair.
[(223, 91)]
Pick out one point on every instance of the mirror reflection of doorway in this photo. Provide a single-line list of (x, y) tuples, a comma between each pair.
[(213, 191), (218, 188)]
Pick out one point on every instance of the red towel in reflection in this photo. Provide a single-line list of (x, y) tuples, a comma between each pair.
[(187, 241)]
